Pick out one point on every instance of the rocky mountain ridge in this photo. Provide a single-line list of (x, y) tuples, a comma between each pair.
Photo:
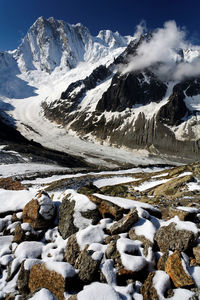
[(134, 110), (52, 43)]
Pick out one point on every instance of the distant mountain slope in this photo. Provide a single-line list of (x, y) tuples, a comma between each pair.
[(135, 110), (61, 73)]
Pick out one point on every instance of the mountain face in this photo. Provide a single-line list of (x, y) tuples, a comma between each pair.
[(93, 98), (50, 43)]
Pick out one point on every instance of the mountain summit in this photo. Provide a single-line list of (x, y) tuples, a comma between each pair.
[(51, 43)]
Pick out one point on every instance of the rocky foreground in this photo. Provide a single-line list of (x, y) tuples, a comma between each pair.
[(130, 234)]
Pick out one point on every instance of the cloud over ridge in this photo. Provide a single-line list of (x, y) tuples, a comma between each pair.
[(167, 53)]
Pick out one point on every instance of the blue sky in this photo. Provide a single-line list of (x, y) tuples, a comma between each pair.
[(16, 16)]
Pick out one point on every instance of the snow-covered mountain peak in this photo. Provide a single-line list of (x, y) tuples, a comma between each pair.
[(113, 39), (51, 43)]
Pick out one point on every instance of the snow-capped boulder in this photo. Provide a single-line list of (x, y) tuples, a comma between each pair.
[(175, 267), (124, 224), (40, 211), (57, 277), (177, 235)]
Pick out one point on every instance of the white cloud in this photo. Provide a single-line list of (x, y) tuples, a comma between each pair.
[(162, 52)]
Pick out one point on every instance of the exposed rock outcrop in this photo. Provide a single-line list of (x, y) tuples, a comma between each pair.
[(170, 238), (40, 211)]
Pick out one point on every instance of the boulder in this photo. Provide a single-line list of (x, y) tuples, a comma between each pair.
[(196, 252), (40, 211), (171, 187), (182, 214), (107, 209), (88, 267), (148, 290), (25, 232), (10, 184), (19, 234), (72, 250), (66, 225), (89, 189), (115, 190), (22, 280), (113, 253), (162, 260), (125, 223), (92, 214), (133, 236), (170, 238), (57, 277), (175, 268)]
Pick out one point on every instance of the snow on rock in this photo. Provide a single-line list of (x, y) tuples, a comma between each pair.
[(103, 290), (149, 184), (14, 200), (43, 294), (126, 203), (29, 250), (146, 228), (109, 271), (82, 202), (51, 43), (130, 261), (62, 268), (28, 263), (113, 181), (46, 206), (5, 243), (89, 235), (40, 211), (181, 225), (161, 282), (55, 248)]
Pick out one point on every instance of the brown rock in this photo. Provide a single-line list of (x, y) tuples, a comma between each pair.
[(169, 238), (19, 234), (174, 268), (41, 277), (148, 291), (22, 280), (183, 215), (10, 184), (171, 187), (162, 260), (88, 189), (133, 236), (39, 212), (73, 297), (123, 276), (72, 250), (113, 253), (14, 218), (31, 213), (88, 268), (115, 190), (125, 223), (10, 296), (196, 252), (107, 209)]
